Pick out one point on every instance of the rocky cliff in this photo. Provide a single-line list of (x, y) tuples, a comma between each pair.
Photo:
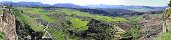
[(8, 26)]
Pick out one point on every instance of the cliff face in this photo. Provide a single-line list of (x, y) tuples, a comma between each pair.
[(8, 26)]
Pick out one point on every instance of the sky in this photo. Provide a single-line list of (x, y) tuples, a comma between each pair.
[(107, 2)]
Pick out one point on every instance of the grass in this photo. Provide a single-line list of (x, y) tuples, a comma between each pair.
[(79, 24), (33, 24), (2, 36), (1, 11), (164, 36), (136, 18), (98, 17), (46, 18), (56, 34), (74, 13), (28, 20), (39, 11)]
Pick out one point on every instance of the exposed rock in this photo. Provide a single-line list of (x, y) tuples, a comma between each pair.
[(124, 26), (8, 25), (150, 28)]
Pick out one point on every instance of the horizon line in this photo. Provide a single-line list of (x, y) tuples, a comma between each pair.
[(86, 4)]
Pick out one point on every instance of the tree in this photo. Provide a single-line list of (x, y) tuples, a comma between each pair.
[(169, 3)]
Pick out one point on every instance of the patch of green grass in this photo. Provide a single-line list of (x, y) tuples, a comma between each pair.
[(46, 18), (2, 37), (32, 10), (56, 34), (1, 11), (79, 24), (77, 13), (61, 35), (33, 24), (120, 19), (72, 13), (39, 11), (164, 36), (28, 20), (109, 19), (98, 17), (134, 30), (136, 18)]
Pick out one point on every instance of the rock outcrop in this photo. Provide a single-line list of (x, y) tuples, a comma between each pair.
[(8, 26)]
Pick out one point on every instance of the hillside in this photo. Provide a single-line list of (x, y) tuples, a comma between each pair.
[(132, 8), (37, 21), (69, 24), (103, 6), (65, 23), (107, 11)]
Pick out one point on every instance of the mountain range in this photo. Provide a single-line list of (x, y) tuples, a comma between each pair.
[(70, 5)]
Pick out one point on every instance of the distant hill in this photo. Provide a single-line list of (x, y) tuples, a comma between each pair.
[(69, 5), (133, 8), (107, 11), (110, 10), (26, 4)]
